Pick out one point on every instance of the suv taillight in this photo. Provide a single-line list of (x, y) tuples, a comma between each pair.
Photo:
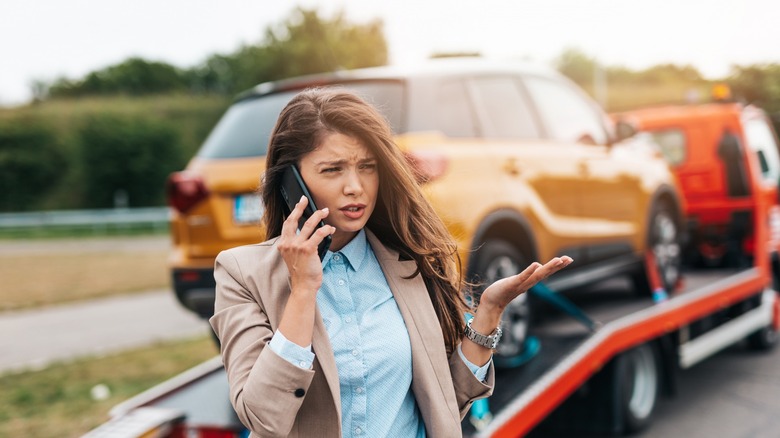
[(184, 190), (427, 165)]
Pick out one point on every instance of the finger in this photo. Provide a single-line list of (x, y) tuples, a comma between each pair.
[(290, 225), (556, 265), (311, 245), (523, 276), (322, 232), (549, 268), (313, 221)]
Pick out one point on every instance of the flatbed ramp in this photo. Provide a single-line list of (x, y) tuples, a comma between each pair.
[(570, 353)]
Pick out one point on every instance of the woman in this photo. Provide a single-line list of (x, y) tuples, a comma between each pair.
[(369, 341)]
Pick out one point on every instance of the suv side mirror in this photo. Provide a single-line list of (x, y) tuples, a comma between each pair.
[(624, 130)]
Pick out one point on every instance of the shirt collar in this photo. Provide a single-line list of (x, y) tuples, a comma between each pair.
[(354, 252)]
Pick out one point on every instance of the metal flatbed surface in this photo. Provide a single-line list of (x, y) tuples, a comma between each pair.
[(570, 348)]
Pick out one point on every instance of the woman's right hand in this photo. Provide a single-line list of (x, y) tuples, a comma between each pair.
[(299, 250)]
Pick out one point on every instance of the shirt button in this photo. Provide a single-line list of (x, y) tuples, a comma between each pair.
[(341, 282), (302, 364), (336, 257), (359, 390), (348, 319), (358, 431), (354, 352)]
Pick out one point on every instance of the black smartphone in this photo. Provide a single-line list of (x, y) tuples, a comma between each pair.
[(292, 189)]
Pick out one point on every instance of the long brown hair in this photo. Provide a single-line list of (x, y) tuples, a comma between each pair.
[(403, 219)]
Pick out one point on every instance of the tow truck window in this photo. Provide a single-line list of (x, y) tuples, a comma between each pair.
[(673, 145), (761, 140)]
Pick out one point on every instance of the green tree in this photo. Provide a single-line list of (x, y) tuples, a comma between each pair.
[(577, 66), (129, 157), (758, 84), (667, 73), (31, 164), (305, 43), (216, 74), (302, 44), (133, 77)]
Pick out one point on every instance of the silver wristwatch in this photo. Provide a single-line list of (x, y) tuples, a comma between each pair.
[(489, 341)]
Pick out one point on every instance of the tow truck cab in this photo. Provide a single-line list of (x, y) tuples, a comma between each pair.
[(725, 156)]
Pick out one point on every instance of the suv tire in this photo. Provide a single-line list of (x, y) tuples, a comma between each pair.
[(494, 260), (665, 241)]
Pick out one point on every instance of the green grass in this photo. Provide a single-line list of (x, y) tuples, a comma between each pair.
[(23, 233), (52, 271), (56, 401)]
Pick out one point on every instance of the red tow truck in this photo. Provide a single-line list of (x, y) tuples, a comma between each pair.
[(604, 380)]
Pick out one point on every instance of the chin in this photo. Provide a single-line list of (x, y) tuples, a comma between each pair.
[(353, 228)]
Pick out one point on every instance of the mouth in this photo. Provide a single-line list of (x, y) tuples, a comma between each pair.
[(353, 211)]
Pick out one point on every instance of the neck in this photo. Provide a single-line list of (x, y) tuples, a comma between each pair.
[(341, 239)]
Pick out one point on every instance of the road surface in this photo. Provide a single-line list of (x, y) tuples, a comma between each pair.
[(735, 394), (31, 339)]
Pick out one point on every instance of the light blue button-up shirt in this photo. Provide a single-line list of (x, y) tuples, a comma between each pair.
[(370, 343)]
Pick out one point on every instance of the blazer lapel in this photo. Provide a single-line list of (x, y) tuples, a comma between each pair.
[(420, 318)]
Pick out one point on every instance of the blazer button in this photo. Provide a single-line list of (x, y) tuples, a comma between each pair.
[(299, 392)]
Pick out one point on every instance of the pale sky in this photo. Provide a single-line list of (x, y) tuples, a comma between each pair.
[(46, 39)]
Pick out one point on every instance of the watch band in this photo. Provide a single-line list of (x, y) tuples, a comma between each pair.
[(487, 341)]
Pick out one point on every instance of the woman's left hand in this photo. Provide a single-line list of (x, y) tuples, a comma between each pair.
[(499, 294)]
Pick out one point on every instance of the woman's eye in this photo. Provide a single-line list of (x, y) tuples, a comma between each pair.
[(369, 166), (330, 169)]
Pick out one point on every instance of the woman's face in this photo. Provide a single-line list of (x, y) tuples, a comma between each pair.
[(342, 175)]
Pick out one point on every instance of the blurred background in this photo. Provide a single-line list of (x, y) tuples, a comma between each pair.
[(101, 101)]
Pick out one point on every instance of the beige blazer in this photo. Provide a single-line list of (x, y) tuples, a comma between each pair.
[(273, 397)]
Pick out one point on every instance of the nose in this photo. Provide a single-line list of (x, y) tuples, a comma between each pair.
[(353, 186)]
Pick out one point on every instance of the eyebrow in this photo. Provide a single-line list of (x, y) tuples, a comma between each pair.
[(342, 162)]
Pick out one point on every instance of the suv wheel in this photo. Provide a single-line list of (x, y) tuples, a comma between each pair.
[(664, 241), (495, 260)]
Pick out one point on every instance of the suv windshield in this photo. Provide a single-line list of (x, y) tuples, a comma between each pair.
[(244, 129)]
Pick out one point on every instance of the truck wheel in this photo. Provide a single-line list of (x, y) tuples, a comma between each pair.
[(495, 260), (763, 340), (664, 241), (638, 378)]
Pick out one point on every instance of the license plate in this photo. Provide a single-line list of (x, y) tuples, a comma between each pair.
[(248, 209)]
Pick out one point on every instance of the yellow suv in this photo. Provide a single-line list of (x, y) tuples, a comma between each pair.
[(518, 161)]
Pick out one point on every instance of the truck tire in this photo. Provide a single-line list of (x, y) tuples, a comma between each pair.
[(638, 377), (618, 400), (664, 240), (763, 340), (766, 337), (496, 259)]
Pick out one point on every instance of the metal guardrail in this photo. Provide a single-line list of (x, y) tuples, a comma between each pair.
[(153, 217)]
